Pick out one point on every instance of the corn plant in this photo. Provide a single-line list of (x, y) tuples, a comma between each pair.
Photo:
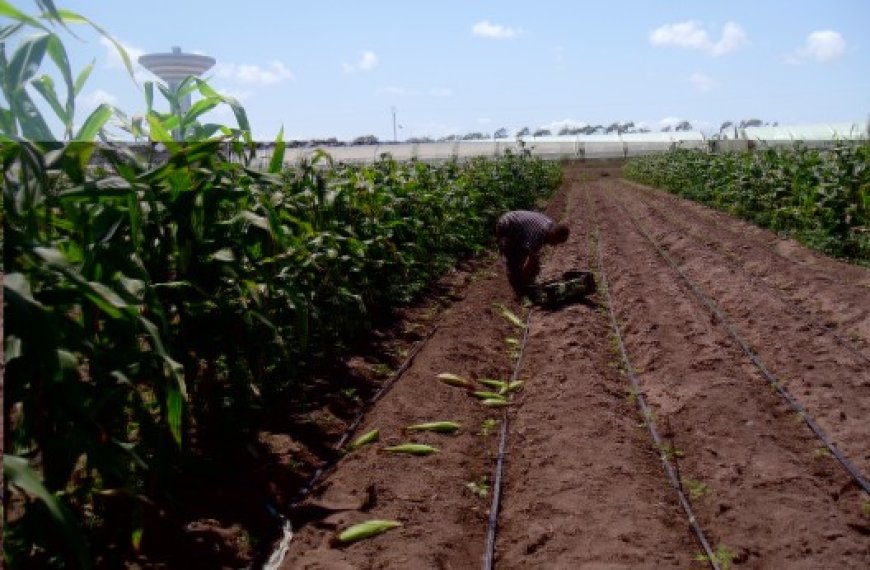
[(157, 303), (820, 197)]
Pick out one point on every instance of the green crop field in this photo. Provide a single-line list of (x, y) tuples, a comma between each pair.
[(153, 309), (820, 197)]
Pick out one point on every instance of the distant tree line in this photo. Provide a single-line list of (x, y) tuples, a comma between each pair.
[(728, 129), (731, 128)]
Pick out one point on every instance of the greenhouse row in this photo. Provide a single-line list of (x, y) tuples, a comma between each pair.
[(596, 146)]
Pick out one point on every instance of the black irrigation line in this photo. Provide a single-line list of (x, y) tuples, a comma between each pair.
[(278, 554), (359, 418), (766, 246), (647, 415), (492, 525), (792, 402), (809, 318)]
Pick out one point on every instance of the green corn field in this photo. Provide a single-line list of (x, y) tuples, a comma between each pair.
[(153, 309), (820, 197), (160, 298)]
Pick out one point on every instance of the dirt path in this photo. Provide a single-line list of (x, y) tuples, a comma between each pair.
[(583, 485)]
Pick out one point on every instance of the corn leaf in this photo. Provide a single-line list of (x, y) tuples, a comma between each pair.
[(82, 77), (17, 472), (94, 123), (276, 163)]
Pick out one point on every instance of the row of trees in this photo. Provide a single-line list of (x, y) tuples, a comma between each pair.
[(615, 127), (728, 129)]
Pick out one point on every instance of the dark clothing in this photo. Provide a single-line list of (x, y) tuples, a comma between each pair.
[(523, 230), (521, 234)]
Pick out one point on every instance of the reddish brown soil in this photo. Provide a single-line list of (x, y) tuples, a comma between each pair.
[(583, 486)]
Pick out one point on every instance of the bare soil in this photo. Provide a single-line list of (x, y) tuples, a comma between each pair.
[(583, 485)]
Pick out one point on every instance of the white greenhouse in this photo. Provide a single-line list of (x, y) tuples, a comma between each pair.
[(598, 146)]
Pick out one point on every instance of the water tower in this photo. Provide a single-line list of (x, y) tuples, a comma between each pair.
[(174, 67)]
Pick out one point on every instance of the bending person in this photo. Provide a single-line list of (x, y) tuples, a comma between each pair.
[(521, 234)]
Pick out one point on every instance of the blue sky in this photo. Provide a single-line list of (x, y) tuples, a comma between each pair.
[(335, 69)]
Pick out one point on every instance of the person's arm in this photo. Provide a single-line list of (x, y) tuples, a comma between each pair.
[(531, 268)]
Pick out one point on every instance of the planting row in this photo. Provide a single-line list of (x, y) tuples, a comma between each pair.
[(151, 313), (753, 471), (820, 197)]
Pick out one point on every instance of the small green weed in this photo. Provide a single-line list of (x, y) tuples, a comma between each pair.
[(382, 369), (723, 557), (488, 426), (697, 489), (350, 394), (479, 487), (669, 453), (821, 453)]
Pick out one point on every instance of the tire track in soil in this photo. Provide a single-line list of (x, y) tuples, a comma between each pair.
[(583, 487), (832, 382), (772, 501)]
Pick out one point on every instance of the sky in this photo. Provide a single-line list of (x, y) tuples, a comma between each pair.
[(338, 68)]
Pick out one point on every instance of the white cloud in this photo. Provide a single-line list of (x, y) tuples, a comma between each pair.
[(249, 74), (367, 61), (486, 29), (240, 95), (114, 60), (692, 35), (393, 90), (682, 34), (733, 38), (823, 46), (702, 82), (98, 97), (441, 92)]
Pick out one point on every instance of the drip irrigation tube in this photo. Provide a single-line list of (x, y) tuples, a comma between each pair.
[(792, 402), (492, 525), (807, 316), (278, 554), (646, 414), (769, 248)]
